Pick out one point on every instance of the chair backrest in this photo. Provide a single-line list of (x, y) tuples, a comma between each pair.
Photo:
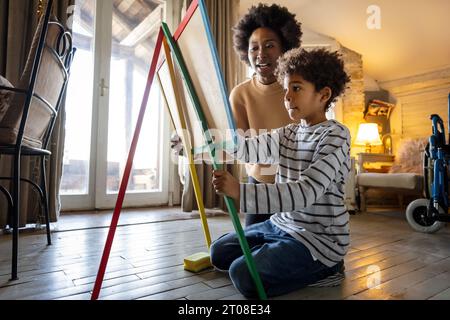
[(31, 117)]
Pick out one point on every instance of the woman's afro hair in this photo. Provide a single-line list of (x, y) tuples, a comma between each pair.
[(319, 66), (274, 17)]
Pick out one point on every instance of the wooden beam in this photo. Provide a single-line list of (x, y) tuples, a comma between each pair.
[(124, 5), (145, 28)]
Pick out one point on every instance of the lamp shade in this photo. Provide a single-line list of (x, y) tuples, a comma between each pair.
[(368, 135)]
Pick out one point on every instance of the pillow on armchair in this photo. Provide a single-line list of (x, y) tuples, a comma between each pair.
[(49, 83), (5, 97), (410, 156)]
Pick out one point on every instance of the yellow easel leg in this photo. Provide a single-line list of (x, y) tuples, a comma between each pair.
[(199, 198), (197, 261)]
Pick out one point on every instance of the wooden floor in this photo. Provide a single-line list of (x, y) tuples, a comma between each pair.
[(387, 260)]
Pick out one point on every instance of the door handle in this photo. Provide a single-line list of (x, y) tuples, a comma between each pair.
[(103, 86)]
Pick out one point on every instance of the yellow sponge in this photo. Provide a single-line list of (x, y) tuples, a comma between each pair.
[(197, 262)]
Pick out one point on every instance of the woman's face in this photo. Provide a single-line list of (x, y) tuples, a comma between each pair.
[(263, 51)]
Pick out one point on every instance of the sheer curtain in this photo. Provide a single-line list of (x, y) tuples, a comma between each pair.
[(223, 16), (20, 17)]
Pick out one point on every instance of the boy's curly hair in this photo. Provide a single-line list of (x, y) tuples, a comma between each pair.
[(274, 17), (320, 67)]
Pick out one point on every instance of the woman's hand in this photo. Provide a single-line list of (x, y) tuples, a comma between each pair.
[(176, 144), (226, 184)]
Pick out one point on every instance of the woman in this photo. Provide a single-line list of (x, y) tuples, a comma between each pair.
[(260, 38)]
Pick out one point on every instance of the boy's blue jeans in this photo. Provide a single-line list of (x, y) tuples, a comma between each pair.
[(284, 263)]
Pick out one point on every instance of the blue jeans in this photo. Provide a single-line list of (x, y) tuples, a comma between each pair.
[(284, 263), (251, 219)]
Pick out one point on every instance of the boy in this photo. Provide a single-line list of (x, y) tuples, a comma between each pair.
[(307, 238)]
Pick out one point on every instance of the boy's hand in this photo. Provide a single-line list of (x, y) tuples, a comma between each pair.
[(226, 184)]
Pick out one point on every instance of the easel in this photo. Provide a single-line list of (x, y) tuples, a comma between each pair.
[(165, 36)]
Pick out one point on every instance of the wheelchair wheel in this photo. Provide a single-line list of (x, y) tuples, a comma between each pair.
[(416, 215)]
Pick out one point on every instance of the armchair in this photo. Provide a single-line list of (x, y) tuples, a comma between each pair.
[(405, 176)]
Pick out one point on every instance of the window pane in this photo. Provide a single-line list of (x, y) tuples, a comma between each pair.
[(132, 49), (75, 180)]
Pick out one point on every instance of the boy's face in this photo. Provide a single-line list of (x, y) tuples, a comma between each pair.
[(302, 101), (264, 49)]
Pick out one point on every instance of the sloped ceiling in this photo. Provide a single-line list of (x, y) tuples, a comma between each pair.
[(414, 37)]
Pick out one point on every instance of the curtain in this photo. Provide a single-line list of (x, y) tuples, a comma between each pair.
[(18, 22), (223, 16)]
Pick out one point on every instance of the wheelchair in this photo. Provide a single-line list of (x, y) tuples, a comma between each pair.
[(431, 214)]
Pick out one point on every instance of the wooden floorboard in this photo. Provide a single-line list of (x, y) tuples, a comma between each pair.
[(386, 260)]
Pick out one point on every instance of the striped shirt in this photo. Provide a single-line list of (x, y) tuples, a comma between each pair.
[(308, 195)]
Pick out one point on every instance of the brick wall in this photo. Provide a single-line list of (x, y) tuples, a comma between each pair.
[(353, 100)]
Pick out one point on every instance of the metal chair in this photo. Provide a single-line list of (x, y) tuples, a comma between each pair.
[(26, 128)]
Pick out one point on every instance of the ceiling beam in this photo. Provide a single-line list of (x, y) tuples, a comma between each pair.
[(145, 28)]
